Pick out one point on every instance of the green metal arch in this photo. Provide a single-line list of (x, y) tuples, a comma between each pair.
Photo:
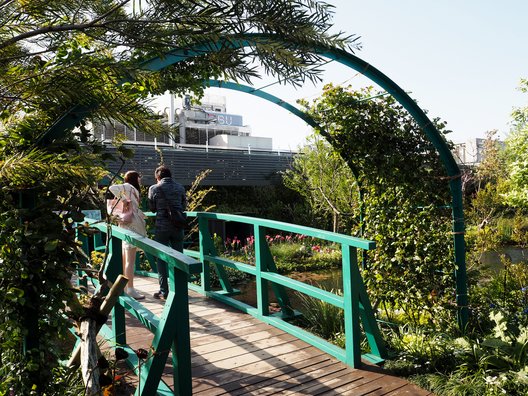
[(266, 96), (352, 61), (404, 99)]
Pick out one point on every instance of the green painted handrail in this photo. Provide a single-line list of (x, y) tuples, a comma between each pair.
[(354, 301), (171, 330), (287, 227)]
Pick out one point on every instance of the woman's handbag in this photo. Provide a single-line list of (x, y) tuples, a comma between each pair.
[(121, 208)]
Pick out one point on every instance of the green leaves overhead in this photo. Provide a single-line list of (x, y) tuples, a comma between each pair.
[(40, 170), (394, 190), (378, 139), (61, 55)]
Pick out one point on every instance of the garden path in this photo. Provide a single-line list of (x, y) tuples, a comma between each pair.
[(236, 354)]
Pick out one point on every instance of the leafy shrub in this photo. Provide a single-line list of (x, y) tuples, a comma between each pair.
[(234, 276), (412, 266), (506, 291), (457, 384), (496, 365), (420, 351), (324, 319), (14, 381)]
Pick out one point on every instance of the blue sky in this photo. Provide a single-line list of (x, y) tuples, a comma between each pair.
[(460, 59)]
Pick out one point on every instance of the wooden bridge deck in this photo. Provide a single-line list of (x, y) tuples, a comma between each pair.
[(235, 354)]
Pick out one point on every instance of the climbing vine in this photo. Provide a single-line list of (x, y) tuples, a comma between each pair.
[(403, 189)]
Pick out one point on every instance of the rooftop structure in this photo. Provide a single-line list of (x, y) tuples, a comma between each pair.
[(471, 152), (205, 124), (209, 124)]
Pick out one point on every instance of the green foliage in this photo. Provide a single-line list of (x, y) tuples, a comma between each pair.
[(269, 202), (456, 384), (516, 193), (40, 198), (411, 267), (488, 218), (301, 257), (420, 351), (380, 141), (290, 253), (495, 365), (506, 290), (396, 192), (319, 174), (324, 319), (88, 47)]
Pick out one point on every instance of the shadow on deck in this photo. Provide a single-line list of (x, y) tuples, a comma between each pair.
[(235, 354)]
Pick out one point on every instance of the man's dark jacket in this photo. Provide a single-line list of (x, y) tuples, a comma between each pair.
[(167, 190)]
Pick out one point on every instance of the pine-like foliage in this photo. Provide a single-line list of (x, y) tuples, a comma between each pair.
[(64, 63)]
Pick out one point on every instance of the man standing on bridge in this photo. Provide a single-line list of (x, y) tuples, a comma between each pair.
[(164, 197)]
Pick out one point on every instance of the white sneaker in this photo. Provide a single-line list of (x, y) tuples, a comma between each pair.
[(134, 293)]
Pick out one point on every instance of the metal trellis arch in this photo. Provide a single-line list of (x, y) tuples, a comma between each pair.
[(69, 120)]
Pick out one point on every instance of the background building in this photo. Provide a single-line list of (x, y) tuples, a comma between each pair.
[(208, 123), (472, 152), (208, 137)]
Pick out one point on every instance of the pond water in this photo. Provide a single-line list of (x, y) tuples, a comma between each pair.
[(326, 279), (492, 259)]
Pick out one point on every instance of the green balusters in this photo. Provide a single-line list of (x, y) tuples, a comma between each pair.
[(207, 248), (262, 258)]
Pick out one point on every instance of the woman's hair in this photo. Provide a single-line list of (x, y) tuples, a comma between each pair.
[(132, 177), (162, 172)]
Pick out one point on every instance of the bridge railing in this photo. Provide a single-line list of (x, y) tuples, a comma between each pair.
[(171, 329), (354, 301)]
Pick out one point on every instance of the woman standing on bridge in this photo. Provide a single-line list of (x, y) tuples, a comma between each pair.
[(129, 191)]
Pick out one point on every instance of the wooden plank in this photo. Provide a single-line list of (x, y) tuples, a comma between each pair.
[(256, 369), (252, 382), (221, 325), (296, 384), (366, 377), (251, 358), (236, 354), (343, 378), (241, 350), (243, 334), (222, 344), (381, 388), (309, 382)]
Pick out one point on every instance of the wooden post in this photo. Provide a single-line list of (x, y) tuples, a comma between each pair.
[(88, 352), (106, 307)]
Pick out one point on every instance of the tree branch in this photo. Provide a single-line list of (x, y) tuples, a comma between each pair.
[(63, 28)]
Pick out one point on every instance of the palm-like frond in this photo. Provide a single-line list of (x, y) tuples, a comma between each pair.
[(38, 169)]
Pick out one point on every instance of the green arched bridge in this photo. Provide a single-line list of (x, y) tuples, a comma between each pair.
[(203, 341)]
